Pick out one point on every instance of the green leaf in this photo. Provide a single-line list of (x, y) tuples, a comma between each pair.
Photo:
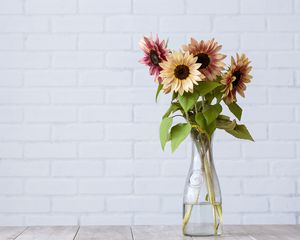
[(211, 128), (178, 133), (223, 117), (225, 124), (200, 120), (173, 108), (212, 112), (159, 88), (165, 125), (204, 88), (236, 110), (241, 131), (187, 100)]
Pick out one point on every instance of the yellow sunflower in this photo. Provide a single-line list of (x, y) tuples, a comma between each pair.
[(180, 73), (236, 77), (207, 53)]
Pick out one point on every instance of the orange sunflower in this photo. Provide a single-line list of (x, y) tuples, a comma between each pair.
[(207, 53), (236, 77)]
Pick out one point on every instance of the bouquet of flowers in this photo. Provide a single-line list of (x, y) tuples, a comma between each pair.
[(201, 85)]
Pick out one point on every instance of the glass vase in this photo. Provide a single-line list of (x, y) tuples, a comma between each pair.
[(202, 202)]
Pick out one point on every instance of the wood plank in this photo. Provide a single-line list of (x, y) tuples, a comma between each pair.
[(104, 233), (10, 233), (158, 232), (49, 233)]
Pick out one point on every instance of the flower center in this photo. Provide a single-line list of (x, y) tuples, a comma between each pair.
[(182, 72), (203, 59), (154, 57), (237, 75)]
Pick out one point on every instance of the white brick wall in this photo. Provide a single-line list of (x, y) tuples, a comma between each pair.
[(79, 126)]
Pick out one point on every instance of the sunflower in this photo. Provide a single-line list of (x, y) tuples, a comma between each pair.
[(209, 57), (155, 52), (180, 73), (236, 77)]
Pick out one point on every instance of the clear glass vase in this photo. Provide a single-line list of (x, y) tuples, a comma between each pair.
[(202, 201)]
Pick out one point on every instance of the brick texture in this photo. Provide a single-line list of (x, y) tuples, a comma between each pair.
[(79, 140)]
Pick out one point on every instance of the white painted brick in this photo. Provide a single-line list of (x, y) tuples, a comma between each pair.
[(23, 24), (11, 41), (269, 150), (284, 131), (11, 150), (50, 6), (149, 113), (105, 186), (239, 23), (77, 60), (127, 23), (298, 41), (184, 24), (242, 168), (104, 41), (74, 24), (50, 220), (142, 78), (133, 204), (213, 7), (286, 167), (75, 96), (153, 150), (50, 114), (175, 168), (271, 41), (272, 77), (50, 186), (172, 204), (104, 78), (105, 150), (258, 60), (10, 132), (11, 114), (230, 218), (11, 186), (285, 204), (24, 204), (269, 186), (49, 78), (24, 60), (106, 219), (298, 186), (283, 23), (137, 95), (147, 168), (11, 7), (23, 97), (77, 168), (72, 132), (23, 168), (102, 7), (290, 95), (78, 204), (11, 220), (10, 78), (50, 42), (266, 6), (267, 114), (230, 186), (269, 218), (158, 7), (221, 150), (237, 204), (123, 59), (50, 150), (119, 168), (106, 114), (291, 63), (158, 186), (158, 219)]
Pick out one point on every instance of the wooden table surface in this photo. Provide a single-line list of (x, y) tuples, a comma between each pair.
[(236, 232)]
